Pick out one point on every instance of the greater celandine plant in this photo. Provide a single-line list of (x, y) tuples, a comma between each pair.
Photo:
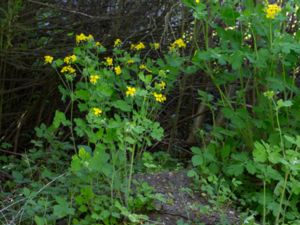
[(250, 48), (116, 99)]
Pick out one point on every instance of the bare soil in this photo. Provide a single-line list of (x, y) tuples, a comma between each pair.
[(181, 204)]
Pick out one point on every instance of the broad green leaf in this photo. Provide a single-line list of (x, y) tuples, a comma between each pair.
[(225, 151), (200, 11), (295, 186), (229, 15), (86, 148), (238, 117), (40, 220), (157, 132), (62, 209), (122, 105), (241, 156), (82, 95), (197, 160), (81, 127), (192, 173), (76, 165), (58, 63), (281, 103), (259, 152), (84, 154), (138, 129), (59, 119), (274, 157), (196, 150), (105, 90), (290, 139), (235, 169), (130, 140), (236, 60), (174, 61), (250, 166)]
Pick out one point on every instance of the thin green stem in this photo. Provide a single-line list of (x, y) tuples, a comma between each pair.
[(71, 118), (282, 198), (279, 128), (112, 176), (264, 206), (130, 172), (270, 36)]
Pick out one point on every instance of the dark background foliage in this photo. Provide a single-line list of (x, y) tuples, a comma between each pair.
[(29, 29)]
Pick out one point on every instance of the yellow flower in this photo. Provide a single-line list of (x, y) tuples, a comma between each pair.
[(82, 37), (118, 42), (79, 38), (98, 44), (156, 46), (138, 46), (132, 46), (130, 61), (179, 43), (48, 59), (109, 61), (90, 37), (68, 69), (159, 97), (197, 1), (162, 85), (130, 91), (94, 79), (70, 59), (142, 67), (272, 11), (118, 70), (97, 111)]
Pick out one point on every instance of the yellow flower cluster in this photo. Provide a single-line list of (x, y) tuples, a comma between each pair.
[(48, 59), (272, 11), (68, 69), (179, 43), (162, 85), (118, 42), (82, 37), (139, 46), (109, 61), (118, 70), (197, 1), (97, 111), (159, 97), (130, 91), (94, 79), (70, 59)]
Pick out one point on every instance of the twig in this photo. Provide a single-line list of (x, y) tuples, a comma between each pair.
[(9, 152), (69, 10)]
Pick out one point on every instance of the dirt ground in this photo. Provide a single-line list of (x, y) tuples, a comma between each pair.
[(181, 204)]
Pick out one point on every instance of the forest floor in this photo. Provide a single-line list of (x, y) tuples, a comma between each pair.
[(182, 205)]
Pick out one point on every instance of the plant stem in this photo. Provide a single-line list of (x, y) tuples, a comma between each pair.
[(281, 198), (130, 172), (264, 207), (279, 128)]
